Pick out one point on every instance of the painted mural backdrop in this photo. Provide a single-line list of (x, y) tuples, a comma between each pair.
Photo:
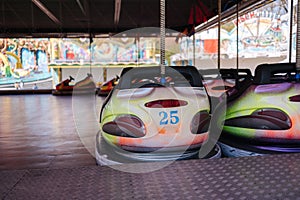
[(65, 50), (261, 33), (32, 60), (102, 51), (23, 60)]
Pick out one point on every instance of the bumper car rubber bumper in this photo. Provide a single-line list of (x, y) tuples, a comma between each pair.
[(107, 154)]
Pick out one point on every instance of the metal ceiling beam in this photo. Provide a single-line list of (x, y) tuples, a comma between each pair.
[(63, 19), (81, 7), (46, 11), (117, 11), (16, 14)]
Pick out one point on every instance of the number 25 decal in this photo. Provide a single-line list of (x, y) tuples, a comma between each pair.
[(167, 118)]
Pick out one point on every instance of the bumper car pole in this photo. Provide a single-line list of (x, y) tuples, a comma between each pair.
[(162, 41), (237, 44), (219, 32), (290, 41), (298, 44)]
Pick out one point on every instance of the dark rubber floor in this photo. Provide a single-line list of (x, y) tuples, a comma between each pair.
[(269, 177)]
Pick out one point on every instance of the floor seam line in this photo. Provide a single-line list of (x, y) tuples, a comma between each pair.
[(12, 188)]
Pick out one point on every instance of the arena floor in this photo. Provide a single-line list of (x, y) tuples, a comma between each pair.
[(47, 153)]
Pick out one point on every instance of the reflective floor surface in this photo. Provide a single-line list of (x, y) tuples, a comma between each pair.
[(39, 131), (46, 152)]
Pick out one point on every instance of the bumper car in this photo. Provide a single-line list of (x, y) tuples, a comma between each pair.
[(263, 118), (149, 117), (218, 82), (106, 87), (86, 85)]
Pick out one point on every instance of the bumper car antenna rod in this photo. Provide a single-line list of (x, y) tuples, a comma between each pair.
[(162, 42), (298, 45), (237, 44), (91, 40)]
